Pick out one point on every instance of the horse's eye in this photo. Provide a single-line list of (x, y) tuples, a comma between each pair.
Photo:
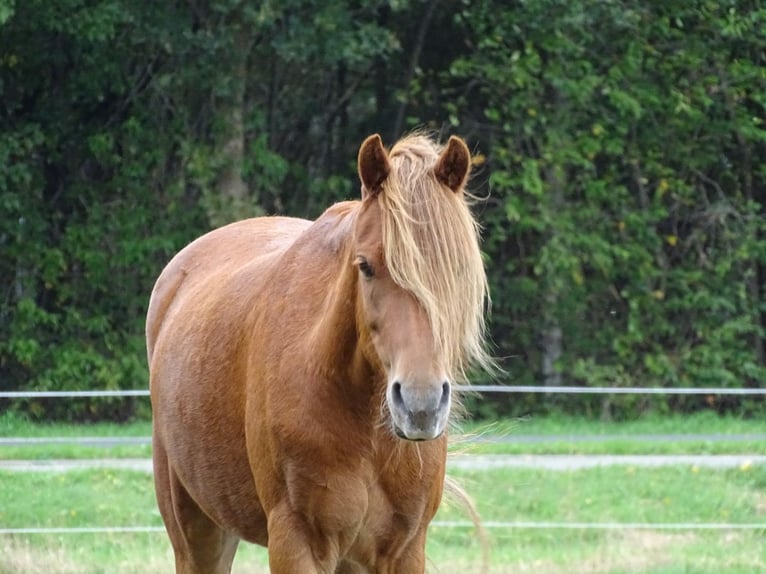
[(365, 267)]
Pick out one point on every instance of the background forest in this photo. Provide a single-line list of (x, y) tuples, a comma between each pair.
[(620, 148)]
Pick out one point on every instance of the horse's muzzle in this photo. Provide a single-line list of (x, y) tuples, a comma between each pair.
[(419, 412)]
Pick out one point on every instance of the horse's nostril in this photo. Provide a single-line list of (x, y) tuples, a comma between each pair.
[(445, 394), (396, 393)]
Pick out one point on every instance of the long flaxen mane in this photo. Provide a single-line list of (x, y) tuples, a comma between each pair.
[(431, 248)]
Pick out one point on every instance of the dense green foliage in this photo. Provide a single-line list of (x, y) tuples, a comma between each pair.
[(621, 146)]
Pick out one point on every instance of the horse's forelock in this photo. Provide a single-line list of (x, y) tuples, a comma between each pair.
[(431, 246)]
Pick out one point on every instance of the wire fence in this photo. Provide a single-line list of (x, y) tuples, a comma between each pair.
[(491, 525), (507, 525), (740, 391)]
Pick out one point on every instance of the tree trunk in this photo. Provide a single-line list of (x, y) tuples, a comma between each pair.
[(551, 336), (420, 41), (233, 201)]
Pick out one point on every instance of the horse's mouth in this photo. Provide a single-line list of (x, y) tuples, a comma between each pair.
[(400, 433)]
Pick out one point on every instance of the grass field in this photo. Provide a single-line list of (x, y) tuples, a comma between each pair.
[(616, 494), (613, 438), (619, 494)]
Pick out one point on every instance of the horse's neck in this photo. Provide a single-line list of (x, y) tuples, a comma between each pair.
[(339, 349), (335, 336)]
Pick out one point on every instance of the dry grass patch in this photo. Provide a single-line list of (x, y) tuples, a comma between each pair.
[(20, 557), (624, 552)]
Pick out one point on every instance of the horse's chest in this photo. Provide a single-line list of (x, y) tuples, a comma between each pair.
[(369, 514)]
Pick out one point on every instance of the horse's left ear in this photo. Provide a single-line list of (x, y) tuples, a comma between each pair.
[(454, 164), (373, 164)]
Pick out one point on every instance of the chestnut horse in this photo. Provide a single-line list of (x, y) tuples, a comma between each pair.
[(302, 372)]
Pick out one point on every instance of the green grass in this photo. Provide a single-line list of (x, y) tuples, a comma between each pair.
[(628, 437), (610, 494), (617, 494), (623, 441), (617, 446), (13, 425), (70, 451), (705, 422)]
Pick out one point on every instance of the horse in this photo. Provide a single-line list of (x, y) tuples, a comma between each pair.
[(302, 373)]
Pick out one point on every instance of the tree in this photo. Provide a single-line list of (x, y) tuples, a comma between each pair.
[(620, 145), (623, 185)]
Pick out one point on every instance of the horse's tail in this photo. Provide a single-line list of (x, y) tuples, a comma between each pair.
[(457, 493)]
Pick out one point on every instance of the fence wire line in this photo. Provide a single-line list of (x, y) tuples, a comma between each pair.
[(611, 390), (491, 524), (72, 394), (459, 388), (106, 441)]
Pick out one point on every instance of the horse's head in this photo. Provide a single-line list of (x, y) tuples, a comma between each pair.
[(421, 287)]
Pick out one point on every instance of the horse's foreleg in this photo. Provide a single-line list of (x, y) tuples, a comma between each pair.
[(292, 549), (346, 567), (413, 561), (410, 559), (199, 545)]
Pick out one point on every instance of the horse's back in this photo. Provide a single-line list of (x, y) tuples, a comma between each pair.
[(213, 260)]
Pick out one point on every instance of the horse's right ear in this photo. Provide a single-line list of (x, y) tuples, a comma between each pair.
[(454, 164), (374, 166)]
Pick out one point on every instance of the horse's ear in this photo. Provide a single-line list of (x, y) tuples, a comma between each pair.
[(454, 164), (374, 166)]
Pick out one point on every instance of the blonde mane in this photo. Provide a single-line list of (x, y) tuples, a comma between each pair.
[(431, 248)]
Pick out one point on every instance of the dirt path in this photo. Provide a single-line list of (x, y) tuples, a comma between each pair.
[(560, 462)]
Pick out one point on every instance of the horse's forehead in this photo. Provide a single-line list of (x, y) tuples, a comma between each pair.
[(369, 227)]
